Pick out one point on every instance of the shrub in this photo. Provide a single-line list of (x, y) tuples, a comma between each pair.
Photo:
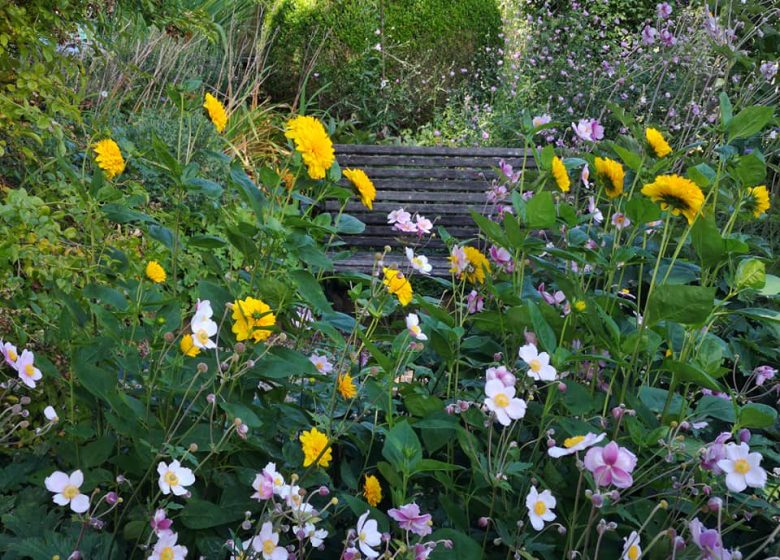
[(426, 47)]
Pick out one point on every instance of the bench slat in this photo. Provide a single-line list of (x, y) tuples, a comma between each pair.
[(428, 186), (430, 174), (426, 150), (360, 160)]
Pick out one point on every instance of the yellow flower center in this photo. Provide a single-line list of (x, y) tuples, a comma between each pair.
[(568, 443), (580, 306), (536, 365), (70, 491), (633, 552), (540, 507), (29, 370), (319, 365), (415, 329), (171, 479), (13, 356), (167, 553), (268, 546), (362, 536), (203, 336), (501, 400), (278, 481), (417, 261), (742, 466)]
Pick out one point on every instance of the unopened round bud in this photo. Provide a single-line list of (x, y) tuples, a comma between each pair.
[(112, 498), (663, 504), (193, 448), (237, 422), (202, 367), (617, 412), (240, 348), (250, 363), (483, 522), (561, 530), (25, 400), (614, 496), (323, 491), (169, 337), (562, 388), (744, 435), (211, 398), (714, 504), (334, 501), (597, 500)]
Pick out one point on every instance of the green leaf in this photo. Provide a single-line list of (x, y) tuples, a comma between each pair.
[(350, 225), (702, 174), (757, 415), (199, 185), (689, 305), (206, 241), (707, 241), (726, 110), (751, 169), (751, 274), (642, 210), (490, 228), (717, 408), (771, 287), (106, 296), (655, 399), (578, 399), (282, 363), (631, 159), (310, 290), (540, 211), (252, 195), (749, 121), (691, 373), (200, 514), (463, 546), (760, 314), (542, 328), (238, 410), (97, 452), (402, 448)]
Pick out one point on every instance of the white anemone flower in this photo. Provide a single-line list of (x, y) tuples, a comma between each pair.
[(66, 490), (174, 478), (419, 262), (742, 468), (368, 535), (539, 367), (167, 549), (315, 536), (267, 543), (502, 402), (26, 369), (413, 326), (540, 507), (631, 547), (575, 443)]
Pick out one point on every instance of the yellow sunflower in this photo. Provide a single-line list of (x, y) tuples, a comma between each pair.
[(155, 272), (252, 319), (759, 200), (560, 174), (346, 386), (397, 284), (657, 141), (478, 265), (364, 186), (313, 443), (109, 158), (372, 490), (187, 347), (313, 143), (612, 173), (677, 194), (216, 112)]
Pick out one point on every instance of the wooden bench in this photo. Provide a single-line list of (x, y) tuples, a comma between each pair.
[(442, 184)]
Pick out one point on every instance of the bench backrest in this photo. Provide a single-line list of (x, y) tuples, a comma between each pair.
[(440, 183)]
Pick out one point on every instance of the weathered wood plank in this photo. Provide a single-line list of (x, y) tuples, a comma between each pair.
[(363, 261), (427, 186), (426, 150), (360, 160), (430, 174)]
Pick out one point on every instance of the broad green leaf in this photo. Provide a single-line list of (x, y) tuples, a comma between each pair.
[(760, 314), (402, 448), (642, 210), (251, 194), (350, 225), (749, 121), (751, 274), (490, 228), (463, 546), (542, 328), (631, 159), (757, 415), (540, 211), (714, 407), (691, 373), (310, 290), (771, 287), (200, 514), (206, 241), (726, 110), (689, 305), (238, 410), (701, 174), (282, 363), (751, 169), (707, 241), (655, 399)]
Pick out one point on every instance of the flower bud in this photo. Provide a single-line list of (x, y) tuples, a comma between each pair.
[(240, 348), (744, 435), (169, 337), (112, 498), (562, 388), (483, 522), (617, 412), (323, 491), (24, 401), (597, 500), (714, 504), (193, 448), (211, 398), (202, 367)]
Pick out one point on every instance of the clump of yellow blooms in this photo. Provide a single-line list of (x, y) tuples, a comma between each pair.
[(478, 264), (187, 347), (613, 173), (216, 112), (109, 158), (372, 490), (657, 142), (313, 143), (398, 285), (314, 445), (364, 186), (677, 194), (560, 174), (155, 272), (760, 200), (252, 319), (346, 386)]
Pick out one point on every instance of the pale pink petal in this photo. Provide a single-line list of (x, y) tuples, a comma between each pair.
[(77, 478), (537, 522), (60, 500), (516, 409), (593, 459), (621, 478), (756, 477), (736, 482), (56, 482), (80, 503), (493, 387), (527, 353), (544, 358)]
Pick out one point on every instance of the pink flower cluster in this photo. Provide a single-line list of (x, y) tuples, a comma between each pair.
[(402, 221)]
